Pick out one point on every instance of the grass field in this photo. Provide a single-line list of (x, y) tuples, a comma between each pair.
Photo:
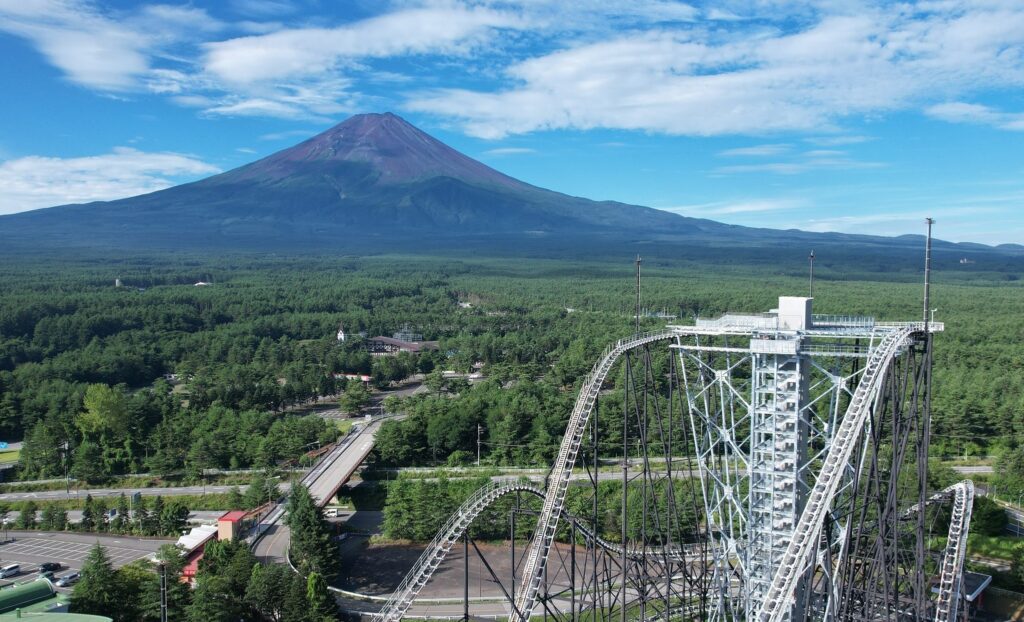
[(9, 456)]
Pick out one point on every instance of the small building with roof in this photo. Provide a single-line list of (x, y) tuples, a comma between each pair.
[(38, 600)]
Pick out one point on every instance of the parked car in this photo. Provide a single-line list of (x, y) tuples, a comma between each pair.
[(47, 574), (50, 566), (68, 580), (10, 570)]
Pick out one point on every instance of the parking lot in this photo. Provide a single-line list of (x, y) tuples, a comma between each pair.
[(70, 549)]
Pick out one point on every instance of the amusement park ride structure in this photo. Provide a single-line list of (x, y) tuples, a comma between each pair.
[(774, 467)]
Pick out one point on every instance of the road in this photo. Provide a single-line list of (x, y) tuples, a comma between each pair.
[(206, 517), (974, 469), (57, 495), (324, 479)]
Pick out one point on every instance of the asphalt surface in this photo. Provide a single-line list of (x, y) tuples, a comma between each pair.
[(57, 495), (74, 516), (29, 549), (325, 478)]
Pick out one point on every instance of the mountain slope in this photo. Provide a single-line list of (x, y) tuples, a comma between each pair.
[(372, 183)]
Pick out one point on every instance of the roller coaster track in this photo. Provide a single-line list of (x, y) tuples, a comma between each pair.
[(804, 542), (459, 522), (558, 479), (951, 575)]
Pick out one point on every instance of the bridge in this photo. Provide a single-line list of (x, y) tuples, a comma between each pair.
[(798, 426), (271, 537)]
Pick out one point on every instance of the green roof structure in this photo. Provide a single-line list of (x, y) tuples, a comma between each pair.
[(25, 594), (54, 617)]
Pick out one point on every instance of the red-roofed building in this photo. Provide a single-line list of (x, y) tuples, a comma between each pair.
[(229, 526)]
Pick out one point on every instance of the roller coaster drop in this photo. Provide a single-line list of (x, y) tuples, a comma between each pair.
[(773, 467)]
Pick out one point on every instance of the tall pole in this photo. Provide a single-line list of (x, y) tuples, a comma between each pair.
[(465, 587), (163, 592), (810, 287), (638, 260), (478, 430), (927, 271)]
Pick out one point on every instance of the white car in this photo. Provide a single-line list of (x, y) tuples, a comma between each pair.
[(10, 570)]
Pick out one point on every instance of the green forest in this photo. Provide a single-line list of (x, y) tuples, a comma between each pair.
[(161, 375)]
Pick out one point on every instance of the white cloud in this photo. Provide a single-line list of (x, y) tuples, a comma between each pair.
[(38, 181), (291, 53), (960, 112), (289, 135), (811, 163), (99, 49), (752, 79), (837, 141), (725, 208), (756, 150), (509, 151)]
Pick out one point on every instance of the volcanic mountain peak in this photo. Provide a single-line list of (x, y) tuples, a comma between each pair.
[(394, 149)]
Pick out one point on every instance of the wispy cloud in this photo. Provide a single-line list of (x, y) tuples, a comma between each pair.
[(38, 181), (838, 141), (960, 112), (803, 74), (509, 151), (812, 160), (111, 53), (725, 208), (757, 150), (288, 135)]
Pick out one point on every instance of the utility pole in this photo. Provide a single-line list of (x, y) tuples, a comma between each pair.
[(479, 429), (638, 261), (810, 292), (927, 271), (163, 592)]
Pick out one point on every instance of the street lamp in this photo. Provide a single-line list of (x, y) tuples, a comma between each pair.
[(932, 316)]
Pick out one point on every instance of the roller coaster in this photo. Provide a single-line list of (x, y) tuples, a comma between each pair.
[(773, 467)]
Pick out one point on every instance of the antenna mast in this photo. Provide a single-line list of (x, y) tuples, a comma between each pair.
[(638, 261), (927, 271), (810, 288)]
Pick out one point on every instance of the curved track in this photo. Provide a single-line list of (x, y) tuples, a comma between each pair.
[(435, 553), (951, 576), (805, 536), (558, 480)]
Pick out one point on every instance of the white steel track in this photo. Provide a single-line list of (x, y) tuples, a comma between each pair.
[(442, 543), (558, 480), (780, 592), (951, 576), (403, 596)]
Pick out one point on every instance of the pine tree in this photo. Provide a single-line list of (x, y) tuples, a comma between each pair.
[(99, 591), (296, 605), (311, 547), (49, 518), (88, 522), (322, 607), (157, 515), (27, 518), (120, 522)]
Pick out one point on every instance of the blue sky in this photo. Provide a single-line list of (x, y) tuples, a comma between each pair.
[(860, 117)]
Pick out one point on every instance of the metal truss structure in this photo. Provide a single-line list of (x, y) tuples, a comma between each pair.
[(773, 467)]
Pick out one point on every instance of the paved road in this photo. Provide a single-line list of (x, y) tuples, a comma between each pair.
[(206, 517), (974, 469), (29, 549), (323, 480), (55, 495)]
